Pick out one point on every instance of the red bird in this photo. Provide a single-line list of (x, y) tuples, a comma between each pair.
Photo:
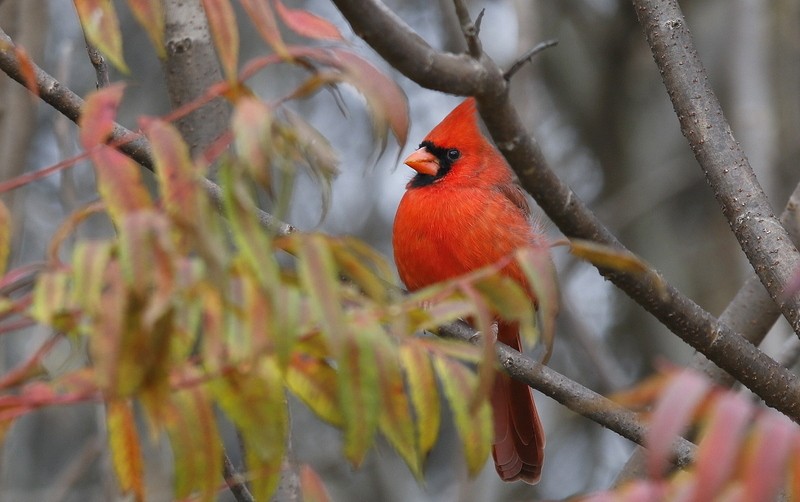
[(463, 210)]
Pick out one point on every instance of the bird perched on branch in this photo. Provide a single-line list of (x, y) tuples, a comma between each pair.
[(462, 211)]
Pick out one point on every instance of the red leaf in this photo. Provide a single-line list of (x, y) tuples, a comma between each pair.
[(27, 68), (716, 456), (772, 441), (672, 414), (311, 483), (98, 114), (222, 22), (119, 182), (306, 24)]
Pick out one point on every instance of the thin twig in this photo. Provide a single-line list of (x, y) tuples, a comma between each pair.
[(470, 30), (100, 65), (528, 57), (235, 481)]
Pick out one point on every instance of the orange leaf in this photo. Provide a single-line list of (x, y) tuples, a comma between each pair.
[(306, 24), (264, 20), (27, 68), (222, 22), (672, 415), (150, 15), (98, 114), (101, 27), (120, 183), (126, 455), (311, 483)]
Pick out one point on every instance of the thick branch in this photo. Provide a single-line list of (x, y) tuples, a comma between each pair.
[(777, 386), (571, 394), (761, 236)]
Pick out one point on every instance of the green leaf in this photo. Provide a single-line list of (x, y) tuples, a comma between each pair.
[(196, 445), (422, 389), (5, 236), (320, 280), (101, 27), (89, 262), (359, 384), (178, 178), (314, 382), (474, 427), (395, 420), (126, 454), (537, 265), (255, 403), (52, 303)]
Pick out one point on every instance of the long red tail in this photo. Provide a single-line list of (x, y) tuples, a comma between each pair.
[(518, 446)]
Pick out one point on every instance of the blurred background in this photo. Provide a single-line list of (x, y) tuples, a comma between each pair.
[(596, 105)]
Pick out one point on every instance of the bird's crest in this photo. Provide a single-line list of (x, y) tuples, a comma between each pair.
[(460, 128)]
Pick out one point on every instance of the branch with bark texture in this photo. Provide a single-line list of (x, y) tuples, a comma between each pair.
[(461, 74)]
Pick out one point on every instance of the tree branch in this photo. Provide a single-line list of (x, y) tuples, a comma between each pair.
[(571, 394), (394, 41), (762, 238)]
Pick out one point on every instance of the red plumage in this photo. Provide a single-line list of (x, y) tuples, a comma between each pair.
[(462, 211)]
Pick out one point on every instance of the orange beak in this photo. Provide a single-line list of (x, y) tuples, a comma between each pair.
[(423, 161)]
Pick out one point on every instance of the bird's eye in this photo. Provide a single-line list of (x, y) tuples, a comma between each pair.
[(453, 154)]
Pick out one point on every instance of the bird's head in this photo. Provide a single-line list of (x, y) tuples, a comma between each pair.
[(454, 149)]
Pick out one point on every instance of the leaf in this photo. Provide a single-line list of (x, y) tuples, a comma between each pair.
[(474, 428), (395, 420), (263, 18), (422, 390), (256, 404), (120, 183), (5, 236), (98, 114), (196, 445), (252, 131), (314, 381), (672, 414), (486, 367), (101, 27), (320, 280), (177, 175), (224, 31), (619, 260), (150, 15), (126, 454), (723, 434), (359, 384), (312, 486), (52, 301), (771, 443), (537, 265), (89, 262), (306, 24), (363, 265), (27, 69)]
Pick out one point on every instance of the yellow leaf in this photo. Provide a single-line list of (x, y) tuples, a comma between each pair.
[(313, 380), (101, 27), (422, 389), (126, 455), (5, 236)]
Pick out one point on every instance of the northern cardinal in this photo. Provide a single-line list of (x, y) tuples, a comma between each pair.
[(463, 210)]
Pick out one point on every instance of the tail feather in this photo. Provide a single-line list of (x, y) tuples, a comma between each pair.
[(518, 447)]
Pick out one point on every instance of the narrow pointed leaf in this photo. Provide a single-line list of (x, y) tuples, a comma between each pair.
[(306, 24), (120, 183), (196, 445), (5, 236), (27, 68), (537, 265), (225, 32), (671, 416), (766, 459), (150, 15), (263, 19), (101, 27), (475, 429), (177, 175), (723, 436), (615, 259), (314, 381), (423, 391), (396, 421), (319, 276), (126, 454), (97, 117), (89, 261)]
